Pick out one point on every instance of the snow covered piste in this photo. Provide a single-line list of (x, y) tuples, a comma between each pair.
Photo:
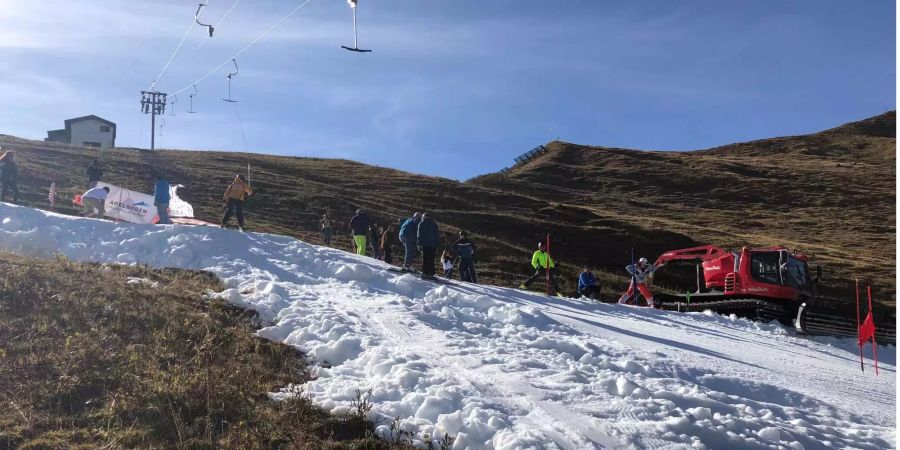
[(498, 368)]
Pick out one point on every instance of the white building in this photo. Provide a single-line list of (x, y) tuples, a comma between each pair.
[(89, 131)]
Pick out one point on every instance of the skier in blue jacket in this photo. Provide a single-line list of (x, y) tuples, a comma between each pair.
[(161, 199), (587, 284), (427, 240), (408, 230), (465, 249)]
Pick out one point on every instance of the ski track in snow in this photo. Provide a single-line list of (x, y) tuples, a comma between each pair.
[(499, 368)]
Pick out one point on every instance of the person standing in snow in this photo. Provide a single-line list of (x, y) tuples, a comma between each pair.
[(640, 273), (94, 173), (234, 197), (587, 284), (465, 249), (161, 198), (426, 241), (447, 265), (408, 231), (9, 176), (359, 226), (375, 239), (326, 229), (385, 244), (94, 201), (543, 265)]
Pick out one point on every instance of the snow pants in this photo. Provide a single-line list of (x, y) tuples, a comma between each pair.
[(645, 291), (326, 234), (428, 261), (588, 291), (234, 206), (360, 240), (162, 211), (467, 269), (93, 207), (542, 272), (409, 247), (9, 185)]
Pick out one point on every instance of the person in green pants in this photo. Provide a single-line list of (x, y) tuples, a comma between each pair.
[(359, 225)]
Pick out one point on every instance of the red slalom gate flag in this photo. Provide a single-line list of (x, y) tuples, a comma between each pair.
[(866, 331)]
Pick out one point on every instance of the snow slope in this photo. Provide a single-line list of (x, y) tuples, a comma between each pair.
[(504, 369)]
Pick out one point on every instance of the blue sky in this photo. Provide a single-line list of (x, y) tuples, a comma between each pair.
[(453, 88)]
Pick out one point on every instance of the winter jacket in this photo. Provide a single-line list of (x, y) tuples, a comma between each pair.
[(586, 279), (464, 248), (326, 224), (97, 192), (360, 224), (427, 234), (161, 192), (9, 172), (641, 274), (409, 229), (540, 259), (237, 190), (94, 173)]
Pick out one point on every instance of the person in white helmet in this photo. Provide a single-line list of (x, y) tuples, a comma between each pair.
[(640, 273)]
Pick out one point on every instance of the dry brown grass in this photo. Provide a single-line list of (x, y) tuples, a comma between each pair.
[(89, 361)]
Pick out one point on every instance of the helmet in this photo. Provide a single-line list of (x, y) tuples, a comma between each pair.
[(642, 261), (541, 244)]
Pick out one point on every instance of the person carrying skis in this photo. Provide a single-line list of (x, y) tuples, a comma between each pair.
[(161, 199), (94, 173), (447, 265), (426, 241), (359, 226), (94, 201), (587, 284), (375, 240), (408, 231), (386, 244), (326, 229), (465, 249), (9, 176), (235, 195), (640, 272), (543, 265)]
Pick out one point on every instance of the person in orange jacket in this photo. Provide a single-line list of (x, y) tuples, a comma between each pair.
[(234, 197)]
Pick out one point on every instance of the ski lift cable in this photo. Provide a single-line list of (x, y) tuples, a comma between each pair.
[(245, 48), (177, 49), (243, 135)]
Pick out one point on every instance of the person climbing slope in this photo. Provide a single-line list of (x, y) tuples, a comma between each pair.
[(427, 240), (465, 249), (9, 176), (235, 195), (640, 273), (359, 226), (541, 261), (161, 198), (408, 231)]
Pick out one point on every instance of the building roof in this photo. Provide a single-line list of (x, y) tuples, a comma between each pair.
[(90, 117)]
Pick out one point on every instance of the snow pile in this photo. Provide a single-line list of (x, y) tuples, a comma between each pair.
[(503, 369)]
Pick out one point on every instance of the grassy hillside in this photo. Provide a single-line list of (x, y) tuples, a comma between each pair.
[(829, 194), (128, 357)]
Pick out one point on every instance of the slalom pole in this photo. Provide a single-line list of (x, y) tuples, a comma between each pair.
[(548, 263), (874, 349), (634, 289), (858, 335)]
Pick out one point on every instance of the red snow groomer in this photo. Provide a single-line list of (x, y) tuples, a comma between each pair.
[(764, 283)]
